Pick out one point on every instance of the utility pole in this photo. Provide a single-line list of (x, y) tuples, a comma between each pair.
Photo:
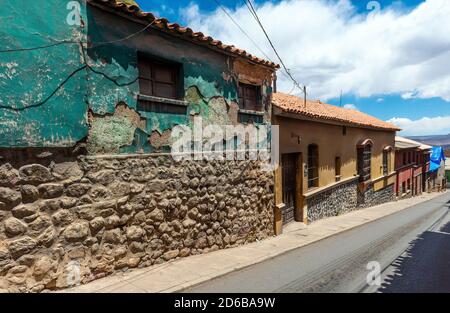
[(304, 94)]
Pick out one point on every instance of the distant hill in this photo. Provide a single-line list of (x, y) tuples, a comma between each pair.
[(437, 140)]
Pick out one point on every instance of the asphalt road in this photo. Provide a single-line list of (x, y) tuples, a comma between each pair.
[(412, 248)]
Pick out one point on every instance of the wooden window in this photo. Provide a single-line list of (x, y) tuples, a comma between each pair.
[(386, 161), (337, 168), (313, 166), (364, 162), (158, 79), (250, 97), (344, 131)]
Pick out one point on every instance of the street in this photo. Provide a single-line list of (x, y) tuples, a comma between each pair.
[(412, 248)]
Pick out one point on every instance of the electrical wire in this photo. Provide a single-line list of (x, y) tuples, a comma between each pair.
[(241, 29), (85, 66), (83, 49), (255, 15), (49, 97), (93, 45), (99, 44), (39, 47), (248, 36)]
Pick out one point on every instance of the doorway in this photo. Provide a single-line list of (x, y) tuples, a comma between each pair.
[(290, 166)]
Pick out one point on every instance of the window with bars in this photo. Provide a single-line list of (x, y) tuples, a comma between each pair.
[(364, 162), (250, 97), (313, 166), (158, 79)]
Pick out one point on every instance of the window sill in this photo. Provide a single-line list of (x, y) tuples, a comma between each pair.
[(259, 113), (163, 100), (281, 206)]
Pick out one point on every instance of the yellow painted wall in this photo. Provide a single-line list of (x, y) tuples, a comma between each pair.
[(296, 135)]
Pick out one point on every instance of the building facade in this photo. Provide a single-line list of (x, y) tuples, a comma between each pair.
[(412, 163), (333, 160), (437, 179), (87, 180)]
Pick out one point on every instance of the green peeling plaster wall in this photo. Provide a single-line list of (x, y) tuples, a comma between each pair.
[(202, 79), (29, 77)]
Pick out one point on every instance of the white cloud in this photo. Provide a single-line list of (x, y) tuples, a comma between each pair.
[(329, 47), (350, 106), (423, 126), (379, 100), (166, 9)]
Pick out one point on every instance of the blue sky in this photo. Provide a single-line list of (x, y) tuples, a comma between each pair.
[(411, 95), (171, 8)]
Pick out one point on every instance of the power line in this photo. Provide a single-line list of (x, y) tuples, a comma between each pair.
[(247, 35), (94, 45), (38, 47), (241, 29), (255, 15), (86, 65), (103, 74), (49, 97), (98, 44), (250, 9)]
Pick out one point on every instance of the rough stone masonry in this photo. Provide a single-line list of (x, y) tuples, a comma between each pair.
[(87, 217)]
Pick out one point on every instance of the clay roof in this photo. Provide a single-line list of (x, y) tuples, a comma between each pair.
[(174, 28), (404, 143), (319, 110)]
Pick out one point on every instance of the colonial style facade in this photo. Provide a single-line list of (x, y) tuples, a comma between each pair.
[(86, 176), (333, 160), (412, 163)]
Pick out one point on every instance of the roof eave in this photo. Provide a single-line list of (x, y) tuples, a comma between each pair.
[(301, 116), (107, 6)]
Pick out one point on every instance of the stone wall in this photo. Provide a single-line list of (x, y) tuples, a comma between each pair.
[(345, 198), (332, 202), (89, 217), (370, 197)]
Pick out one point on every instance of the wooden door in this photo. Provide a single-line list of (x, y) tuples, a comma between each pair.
[(289, 165)]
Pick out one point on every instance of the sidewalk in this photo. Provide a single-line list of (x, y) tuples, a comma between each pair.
[(187, 272)]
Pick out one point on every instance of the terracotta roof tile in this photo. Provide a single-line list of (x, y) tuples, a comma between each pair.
[(317, 109), (175, 28)]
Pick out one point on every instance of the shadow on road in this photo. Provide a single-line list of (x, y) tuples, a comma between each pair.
[(425, 266)]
